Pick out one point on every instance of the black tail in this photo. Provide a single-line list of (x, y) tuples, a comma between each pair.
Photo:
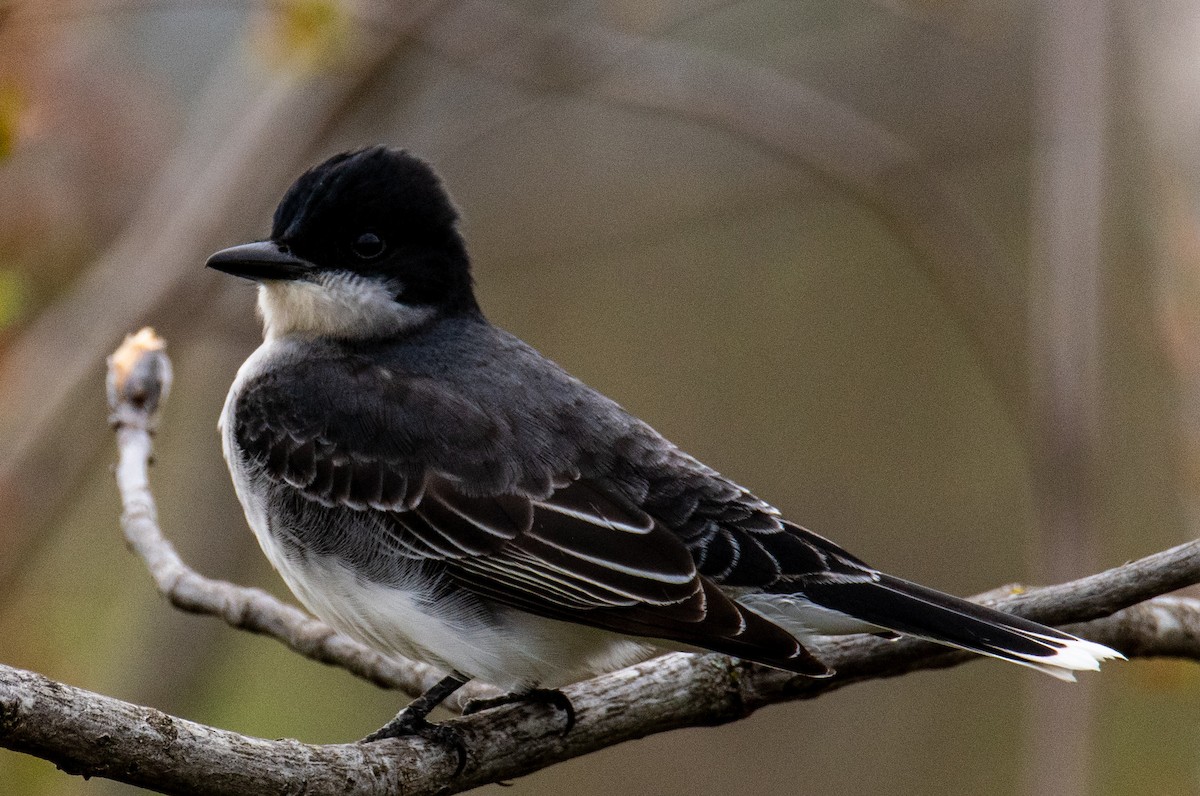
[(896, 604)]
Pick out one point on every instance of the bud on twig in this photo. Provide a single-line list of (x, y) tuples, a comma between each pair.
[(139, 379)]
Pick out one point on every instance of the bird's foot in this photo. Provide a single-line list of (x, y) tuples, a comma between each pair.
[(408, 724), (543, 696)]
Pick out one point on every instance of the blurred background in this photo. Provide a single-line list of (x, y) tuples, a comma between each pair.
[(923, 273)]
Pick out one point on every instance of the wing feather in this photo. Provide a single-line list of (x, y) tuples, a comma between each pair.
[(628, 535)]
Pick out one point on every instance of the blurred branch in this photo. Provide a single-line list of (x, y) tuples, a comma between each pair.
[(247, 137), (93, 735), (779, 113)]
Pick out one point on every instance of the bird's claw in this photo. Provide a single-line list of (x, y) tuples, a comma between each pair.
[(407, 725), (543, 696)]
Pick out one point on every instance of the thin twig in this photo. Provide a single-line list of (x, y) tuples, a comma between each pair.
[(132, 369)]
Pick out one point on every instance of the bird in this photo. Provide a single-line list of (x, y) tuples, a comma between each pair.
[(434, 487)]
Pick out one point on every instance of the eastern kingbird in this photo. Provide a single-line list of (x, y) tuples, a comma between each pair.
[(437, 489)]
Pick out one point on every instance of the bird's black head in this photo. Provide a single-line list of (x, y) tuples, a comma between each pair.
[(380, 214)]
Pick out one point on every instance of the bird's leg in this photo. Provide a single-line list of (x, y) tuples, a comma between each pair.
[(411, 720), (544, 696)]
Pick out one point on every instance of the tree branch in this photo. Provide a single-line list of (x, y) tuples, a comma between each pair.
[(94, 735), (86, 733)]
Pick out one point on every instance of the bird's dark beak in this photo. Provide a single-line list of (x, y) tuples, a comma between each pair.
[(261, 260)]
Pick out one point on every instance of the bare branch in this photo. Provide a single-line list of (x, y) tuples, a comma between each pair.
[(89, 734), (94, 735)]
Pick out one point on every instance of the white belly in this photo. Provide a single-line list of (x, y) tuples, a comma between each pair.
[(513, 650)]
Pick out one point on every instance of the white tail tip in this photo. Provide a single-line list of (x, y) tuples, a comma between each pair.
[(1078, 655)]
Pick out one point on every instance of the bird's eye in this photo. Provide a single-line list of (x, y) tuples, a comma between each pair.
[(368, 246)]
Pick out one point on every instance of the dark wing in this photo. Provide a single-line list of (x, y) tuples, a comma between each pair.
[(549, 540), (736, 539)]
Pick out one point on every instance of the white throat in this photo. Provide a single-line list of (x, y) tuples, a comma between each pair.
[(337, 304)]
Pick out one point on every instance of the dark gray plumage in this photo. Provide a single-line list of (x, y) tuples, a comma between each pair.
[(467, 462), (435, 487)]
